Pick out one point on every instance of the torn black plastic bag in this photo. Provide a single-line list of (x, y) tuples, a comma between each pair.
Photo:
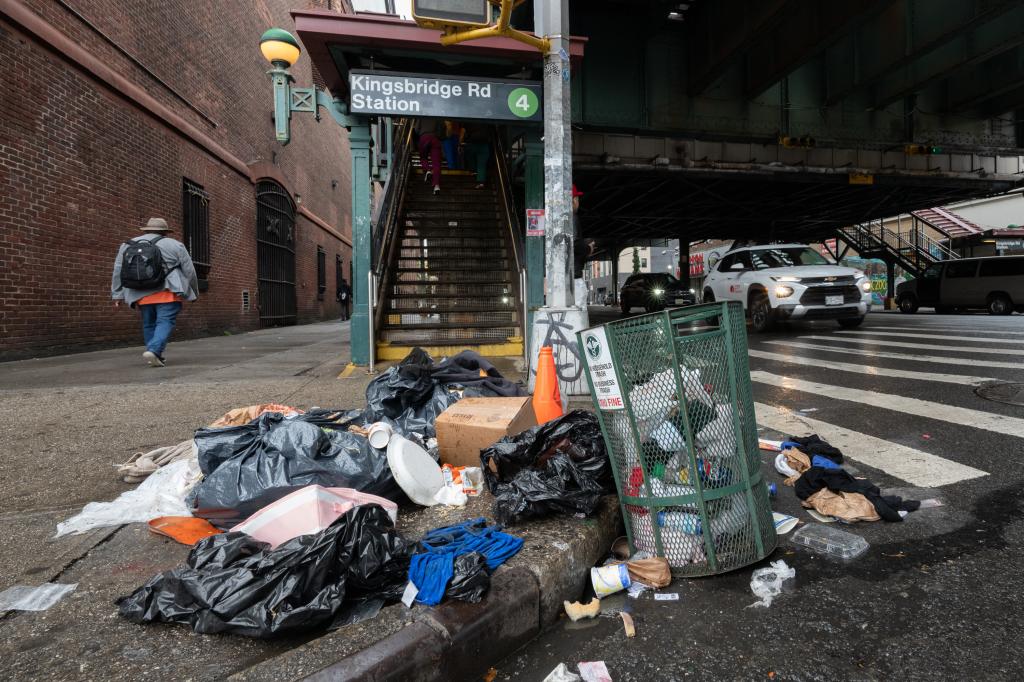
[(248, 467), (407, 384), (470, 579), (559, 467), (232, 583)]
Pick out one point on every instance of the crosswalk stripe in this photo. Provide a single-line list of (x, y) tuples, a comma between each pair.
[(935, 359), (973, 330), (961, 379), (925, 346), (913, 466), (974, 339), (961, 416)]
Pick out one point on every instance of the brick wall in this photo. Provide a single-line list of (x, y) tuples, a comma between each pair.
[(81, 167)]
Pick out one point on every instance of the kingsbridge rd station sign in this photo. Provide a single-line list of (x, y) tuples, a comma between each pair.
[(411, 94)]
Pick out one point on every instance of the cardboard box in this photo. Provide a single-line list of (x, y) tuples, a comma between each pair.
[(472, 424)]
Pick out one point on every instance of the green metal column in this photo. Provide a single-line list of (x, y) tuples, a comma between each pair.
[(534, 245), (362, 243)]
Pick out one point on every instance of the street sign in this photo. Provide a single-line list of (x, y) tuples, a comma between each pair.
[(413, 94), (452, 12)]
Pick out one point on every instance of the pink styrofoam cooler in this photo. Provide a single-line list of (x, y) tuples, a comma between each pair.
[(305, 511)]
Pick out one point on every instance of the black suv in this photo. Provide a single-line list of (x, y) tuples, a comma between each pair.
[(654, 291)]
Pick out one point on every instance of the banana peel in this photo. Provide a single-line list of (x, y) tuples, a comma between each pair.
[(577, 611)]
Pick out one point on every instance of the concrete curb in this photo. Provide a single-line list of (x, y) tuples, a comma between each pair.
[(456, 640)]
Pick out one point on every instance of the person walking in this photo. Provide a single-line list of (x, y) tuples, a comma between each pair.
[(154, 273), (428, 143), (452, 143), (478, 150), (344, 297)]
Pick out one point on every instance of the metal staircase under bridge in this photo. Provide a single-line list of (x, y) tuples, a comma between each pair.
[(448, 267), (913, 251)]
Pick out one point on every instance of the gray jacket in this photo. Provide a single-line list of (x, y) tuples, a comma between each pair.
[(181, 274)]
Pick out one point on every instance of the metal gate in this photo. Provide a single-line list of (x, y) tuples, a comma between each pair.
[(275, 254)]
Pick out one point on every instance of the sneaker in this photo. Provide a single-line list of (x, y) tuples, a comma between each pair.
[(481, 186), (437, 189), (153, 359), (427, 176)]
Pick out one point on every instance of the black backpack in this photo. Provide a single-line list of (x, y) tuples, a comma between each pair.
[(142, 264)]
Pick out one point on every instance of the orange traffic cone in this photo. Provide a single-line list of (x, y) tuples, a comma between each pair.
[(547, 399)]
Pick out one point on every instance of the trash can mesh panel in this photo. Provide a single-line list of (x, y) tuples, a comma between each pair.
[(684, 449)]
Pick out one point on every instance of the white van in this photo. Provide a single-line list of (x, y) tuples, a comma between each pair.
[(995, 283)]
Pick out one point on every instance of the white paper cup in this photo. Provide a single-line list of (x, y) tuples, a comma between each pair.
[(379, 434), (609, 579)]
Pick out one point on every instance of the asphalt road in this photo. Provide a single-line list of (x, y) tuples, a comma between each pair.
[(935, 597)]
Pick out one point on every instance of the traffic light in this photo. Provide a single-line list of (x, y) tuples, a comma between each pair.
[(921, 149), (788, 142)]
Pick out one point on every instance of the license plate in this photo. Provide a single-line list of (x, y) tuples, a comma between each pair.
[(833, 300), (680, 301)]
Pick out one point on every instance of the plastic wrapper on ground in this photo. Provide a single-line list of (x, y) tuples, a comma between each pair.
[(232, 583), (559, 467), (471, 579), (162, 494), (249, 467)]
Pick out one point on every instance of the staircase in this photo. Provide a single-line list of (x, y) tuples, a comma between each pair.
[(452, 280), (913, 251)]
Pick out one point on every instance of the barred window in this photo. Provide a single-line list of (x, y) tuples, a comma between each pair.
[(321, 273), (195, 212)]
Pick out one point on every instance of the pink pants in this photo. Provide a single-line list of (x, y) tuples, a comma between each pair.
[(430, 143)]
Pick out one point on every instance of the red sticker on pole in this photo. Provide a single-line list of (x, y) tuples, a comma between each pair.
[(535, 222)]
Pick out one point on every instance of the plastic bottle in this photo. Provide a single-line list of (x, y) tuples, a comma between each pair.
[(684, 521)]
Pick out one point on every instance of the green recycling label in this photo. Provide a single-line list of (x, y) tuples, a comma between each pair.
[(523, 102)]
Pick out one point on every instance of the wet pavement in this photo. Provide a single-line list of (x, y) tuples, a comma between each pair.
[(936, 596)]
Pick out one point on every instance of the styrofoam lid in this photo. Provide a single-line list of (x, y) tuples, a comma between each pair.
[(416, 472)]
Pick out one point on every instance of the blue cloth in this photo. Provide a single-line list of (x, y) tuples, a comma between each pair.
[(824, 463), (157, 324), (450, 147), (431, 570)]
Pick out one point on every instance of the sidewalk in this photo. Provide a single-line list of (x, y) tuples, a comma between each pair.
[(70, 419)]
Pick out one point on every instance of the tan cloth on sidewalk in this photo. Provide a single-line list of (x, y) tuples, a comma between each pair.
[(140, 465), (244, 415), (846, 506)]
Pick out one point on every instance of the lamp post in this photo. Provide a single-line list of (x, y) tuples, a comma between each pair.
[(282, 50)]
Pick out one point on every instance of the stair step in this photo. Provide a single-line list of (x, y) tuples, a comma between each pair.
[(451, 289), (436, 263), (448, 304), (452, 238), (427, 337), (448, 213), (451, 320), (408, 253), (453, 277), (510, 327)]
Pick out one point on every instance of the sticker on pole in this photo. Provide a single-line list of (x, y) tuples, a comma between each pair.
[(535, 222), (602, 372)]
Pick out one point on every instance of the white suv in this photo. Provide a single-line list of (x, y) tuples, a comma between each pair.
[(789, 282)]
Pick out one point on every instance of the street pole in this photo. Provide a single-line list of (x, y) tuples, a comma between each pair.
[(562, 316), (558, 238)]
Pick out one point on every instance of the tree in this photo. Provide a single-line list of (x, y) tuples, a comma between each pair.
[(636, 261)]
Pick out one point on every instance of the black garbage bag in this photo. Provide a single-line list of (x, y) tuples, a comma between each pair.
[(560, 466), (248, 467), (470, 580), (418, 421), (407, 384), (477, 375), (233, 583)]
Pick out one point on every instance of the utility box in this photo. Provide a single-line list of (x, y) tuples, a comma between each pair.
[(672, 391), (472, 424)]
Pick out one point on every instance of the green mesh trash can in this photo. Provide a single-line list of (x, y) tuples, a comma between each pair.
[(672, 391)]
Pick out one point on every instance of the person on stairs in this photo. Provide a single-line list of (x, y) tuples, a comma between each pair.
[(429, 133), (452, 144), (478, 150)]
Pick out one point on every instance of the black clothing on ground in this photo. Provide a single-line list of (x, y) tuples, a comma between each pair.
[(839, 480)]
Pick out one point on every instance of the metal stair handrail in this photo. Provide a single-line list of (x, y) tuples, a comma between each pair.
[(515, 233), (915, 253), (389, 211)]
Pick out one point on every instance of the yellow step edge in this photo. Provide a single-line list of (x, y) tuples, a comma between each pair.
[(386, 351)]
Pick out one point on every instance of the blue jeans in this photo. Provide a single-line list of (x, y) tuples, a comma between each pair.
[(158, 323), (450, 147)]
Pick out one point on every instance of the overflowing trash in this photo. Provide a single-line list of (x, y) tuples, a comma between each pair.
[(234, 583), (766, 583), (559, 467), (38, 598)]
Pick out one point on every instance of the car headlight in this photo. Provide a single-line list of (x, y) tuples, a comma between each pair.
[(786, 278), (783, 292), (657, 292), (865, 286), (693, 291)]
